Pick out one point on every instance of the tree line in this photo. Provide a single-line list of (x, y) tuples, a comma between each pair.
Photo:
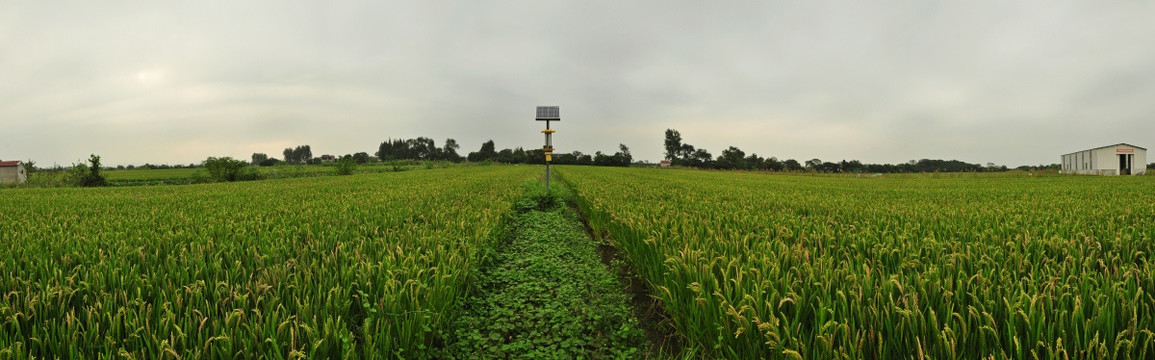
[(680, 153), (537, 156), (426, 149)]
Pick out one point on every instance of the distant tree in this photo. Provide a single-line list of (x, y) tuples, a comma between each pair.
[(852, 166), (520, 156), (792, 165), (689, 152), (732, 158), (700, 158), (1151, 166), (755, 162), (601, 159), (361, 157), (29, 166), (537, 156), (623, 157), (585, 159), (487, 152), (771, 164), (449, 150), (88, 175), (505, 156), (813, 164), (577, 158), (391, 149), (258, 158), (673, 144), (298, 155), (304, 152), (269, 162), (423, 148), (829, 167)]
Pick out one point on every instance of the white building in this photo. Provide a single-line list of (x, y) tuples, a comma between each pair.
[(12, 172), (1118, 159)]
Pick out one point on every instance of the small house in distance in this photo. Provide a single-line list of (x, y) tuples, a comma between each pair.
[(1118, 159), (12, 172)]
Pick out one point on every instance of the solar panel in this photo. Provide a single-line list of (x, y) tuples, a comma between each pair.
[(551, 113)]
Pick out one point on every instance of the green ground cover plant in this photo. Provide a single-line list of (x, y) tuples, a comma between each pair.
[(545, 294)]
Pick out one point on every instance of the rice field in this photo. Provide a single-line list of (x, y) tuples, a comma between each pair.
[(954, 266), (746, 265), (363, 266)]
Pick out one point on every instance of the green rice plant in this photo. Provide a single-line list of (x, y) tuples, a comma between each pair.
[(946, 266), (363, 266)]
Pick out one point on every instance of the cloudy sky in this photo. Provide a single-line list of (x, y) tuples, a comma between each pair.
[(1009, 82)]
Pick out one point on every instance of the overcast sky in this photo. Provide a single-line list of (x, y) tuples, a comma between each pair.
[(1009, 82)]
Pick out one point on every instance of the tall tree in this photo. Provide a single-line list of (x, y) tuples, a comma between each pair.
[(423, 148), (361, 157), (623, 157), (732, 158), (306, 153), (702, 158), (487, 152), (792, 165), (813, 164), (673, 144), (449, 150), (259, 157)]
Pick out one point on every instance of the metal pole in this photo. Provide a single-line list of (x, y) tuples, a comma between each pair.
[(548, 143), (547, 113)]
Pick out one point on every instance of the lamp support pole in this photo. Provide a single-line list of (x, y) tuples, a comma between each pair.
[(548, 149), (547, 114)]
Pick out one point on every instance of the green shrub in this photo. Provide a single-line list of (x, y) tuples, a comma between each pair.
[(229, 169), (345, 166), (86, 175)]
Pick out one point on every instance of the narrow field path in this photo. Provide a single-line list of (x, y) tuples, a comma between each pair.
[(546, 294)]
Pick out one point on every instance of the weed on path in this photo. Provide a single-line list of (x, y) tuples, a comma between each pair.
[(546, 295)]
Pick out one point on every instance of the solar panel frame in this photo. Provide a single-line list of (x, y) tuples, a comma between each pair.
[(549, 113)]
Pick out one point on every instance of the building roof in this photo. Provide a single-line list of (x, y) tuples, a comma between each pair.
[(10, 163), (1104, 147)]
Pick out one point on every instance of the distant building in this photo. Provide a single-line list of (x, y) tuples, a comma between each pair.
[(665, 163), (1118, 159), (328, 158), (12, 172)]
